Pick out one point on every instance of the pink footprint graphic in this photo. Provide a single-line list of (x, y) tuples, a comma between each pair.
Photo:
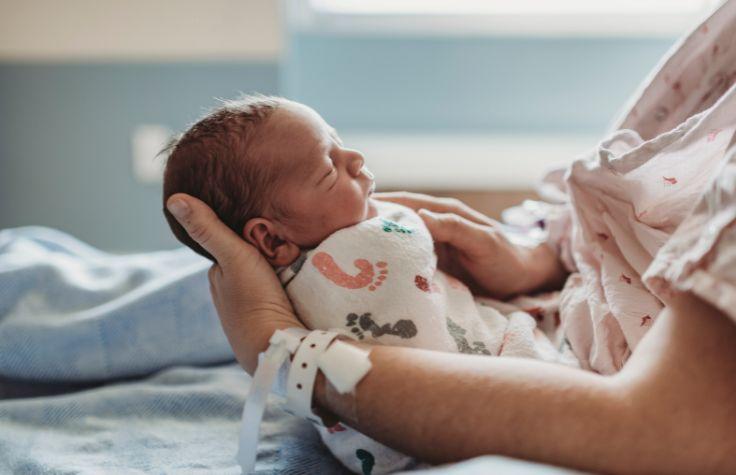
[(327, 266), (670, 180)]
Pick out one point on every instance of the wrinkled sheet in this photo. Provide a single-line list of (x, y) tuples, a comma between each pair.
[(180, 420)]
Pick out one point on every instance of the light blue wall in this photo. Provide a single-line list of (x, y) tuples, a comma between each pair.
[(65, 153), (461, 83)]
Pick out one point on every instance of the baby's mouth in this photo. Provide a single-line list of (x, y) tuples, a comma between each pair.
[(371, 177)]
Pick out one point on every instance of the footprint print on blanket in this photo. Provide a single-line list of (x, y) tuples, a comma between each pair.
[(463, 345), (390, 226), (423, 284), (365, 323), (367, 461), (327, 266)]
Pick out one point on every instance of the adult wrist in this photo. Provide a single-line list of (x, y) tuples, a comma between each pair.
[(334, 405), (321, 402), (254, 342), (545, 270), (316, 357)]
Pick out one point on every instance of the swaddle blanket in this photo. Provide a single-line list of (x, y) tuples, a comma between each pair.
[(378, 282)]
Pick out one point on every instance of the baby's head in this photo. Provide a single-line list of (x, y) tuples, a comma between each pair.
[(274, 172)]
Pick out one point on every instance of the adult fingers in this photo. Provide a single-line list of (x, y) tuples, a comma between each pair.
[(459, 232), (410, 200), (213, 276), (203, 225), (417, 201)]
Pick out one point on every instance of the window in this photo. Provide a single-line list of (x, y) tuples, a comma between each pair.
[(501, 17)]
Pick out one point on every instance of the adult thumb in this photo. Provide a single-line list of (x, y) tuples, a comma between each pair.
[(203, 225)]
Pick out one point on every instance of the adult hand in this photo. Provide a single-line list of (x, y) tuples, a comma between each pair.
[(473, 248), (245, 290)]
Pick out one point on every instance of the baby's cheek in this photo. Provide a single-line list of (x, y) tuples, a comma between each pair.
[(358, 207), (346, 212), (337, 213)]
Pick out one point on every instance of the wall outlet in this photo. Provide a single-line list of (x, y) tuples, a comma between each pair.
[(147, 141)]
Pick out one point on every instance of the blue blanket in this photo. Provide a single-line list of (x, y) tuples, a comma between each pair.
[(180, 420), (69, 312)]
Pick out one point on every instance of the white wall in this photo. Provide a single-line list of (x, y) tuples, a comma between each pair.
[(148, 30)]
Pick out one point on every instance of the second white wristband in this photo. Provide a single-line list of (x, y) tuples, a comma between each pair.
[(303, 372)]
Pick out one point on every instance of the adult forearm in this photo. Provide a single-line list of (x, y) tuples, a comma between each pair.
[(671, 410), (682, 380), (446, 407)]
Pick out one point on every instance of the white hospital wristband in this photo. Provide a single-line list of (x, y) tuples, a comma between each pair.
[(303, 372), (283, 343), (342, 364)]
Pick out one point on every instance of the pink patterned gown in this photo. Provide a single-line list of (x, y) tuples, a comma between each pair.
[(652, 209)]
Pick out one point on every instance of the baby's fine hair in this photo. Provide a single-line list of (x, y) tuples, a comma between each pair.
[(213, 161)]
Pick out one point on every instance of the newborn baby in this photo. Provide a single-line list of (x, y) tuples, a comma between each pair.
[(278, 175)]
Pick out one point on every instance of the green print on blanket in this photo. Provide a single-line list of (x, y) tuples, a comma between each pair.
[(390, 226), (367, 460), (463, 346)]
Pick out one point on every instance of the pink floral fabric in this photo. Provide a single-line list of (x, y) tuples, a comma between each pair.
[(653, 208)]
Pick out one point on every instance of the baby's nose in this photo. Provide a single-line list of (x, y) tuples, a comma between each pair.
[(355, 166)]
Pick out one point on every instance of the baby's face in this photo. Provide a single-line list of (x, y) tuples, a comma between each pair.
[(321, 185)]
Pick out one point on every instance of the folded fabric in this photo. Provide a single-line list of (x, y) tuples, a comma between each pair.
[(69, 312)]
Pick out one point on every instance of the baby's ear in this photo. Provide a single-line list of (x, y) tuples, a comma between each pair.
[(261, 233)]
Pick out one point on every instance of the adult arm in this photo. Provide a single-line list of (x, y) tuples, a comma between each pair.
[(671, 409)]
